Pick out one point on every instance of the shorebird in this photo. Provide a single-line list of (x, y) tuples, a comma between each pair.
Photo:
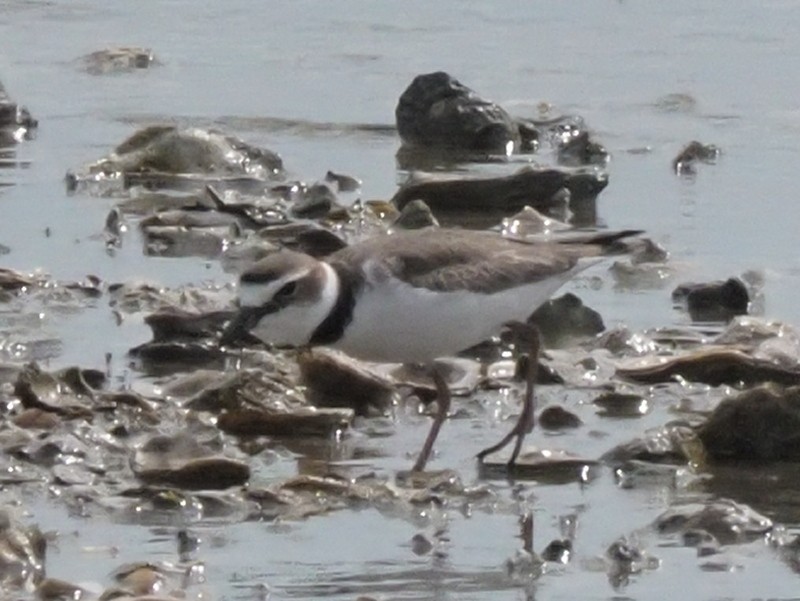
[(413, 297)]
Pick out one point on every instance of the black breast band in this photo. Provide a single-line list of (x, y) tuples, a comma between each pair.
[(332, 328)]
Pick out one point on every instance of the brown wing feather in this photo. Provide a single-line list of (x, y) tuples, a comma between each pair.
[(449, 260)]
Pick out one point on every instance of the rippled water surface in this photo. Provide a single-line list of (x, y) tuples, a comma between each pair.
[(297, 77)]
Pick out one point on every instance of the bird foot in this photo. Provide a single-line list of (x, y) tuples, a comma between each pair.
[(529, 335)]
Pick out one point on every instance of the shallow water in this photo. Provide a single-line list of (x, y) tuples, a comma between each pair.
[(246, 67)]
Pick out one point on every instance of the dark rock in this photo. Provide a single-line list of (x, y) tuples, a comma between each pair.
[(436, 110), (415, 215), (546, 374), (508, 194), (577, 148), (13, 280), (344, 183), (160, 358), (316, 242), (335, 380), (307, 237), (315, 202), (421, 545), (16, 123), (686, 161), (556, 417), (173, 323), (528, 134), (300, 422), (68, 397), (617, 404), (559, 551), (565, 318), (585, 184), (713, 301), (714, 367), (757, 425), (37, 419), (183, 462), (53, 589)]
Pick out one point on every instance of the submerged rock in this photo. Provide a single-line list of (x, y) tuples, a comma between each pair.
[(436, 110), (551, 466), (68, 394), (267, 388), (262, 402), (529, 222), (254, 211), (22, 554), (137, 296), (166, 149), (181, 241), (74, 393), (625, 557), (727, 521), (670, 444), (118, 60), (713, 301), (757, 425), (185, 324)]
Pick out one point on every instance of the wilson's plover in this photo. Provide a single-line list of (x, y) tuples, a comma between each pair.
[(412, 296)]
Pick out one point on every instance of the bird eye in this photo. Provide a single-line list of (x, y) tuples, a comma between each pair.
[(286, 290)]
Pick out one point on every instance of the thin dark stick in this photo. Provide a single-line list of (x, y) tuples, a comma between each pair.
[(443, 402), (526, 531), (525, 422)]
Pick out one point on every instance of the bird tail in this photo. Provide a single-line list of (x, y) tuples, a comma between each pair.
[(606, 243)]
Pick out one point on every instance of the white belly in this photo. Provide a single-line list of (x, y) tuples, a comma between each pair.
[(395, 322)]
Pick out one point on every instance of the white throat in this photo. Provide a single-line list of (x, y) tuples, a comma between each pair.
[(295, 324), (329, 296)]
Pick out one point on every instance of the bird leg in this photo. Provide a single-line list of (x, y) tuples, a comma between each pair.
[(529, 335), (526, 531), (443, 403)]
